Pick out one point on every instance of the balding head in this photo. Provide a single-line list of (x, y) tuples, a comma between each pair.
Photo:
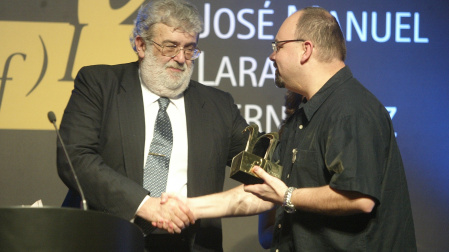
[(319, 26)]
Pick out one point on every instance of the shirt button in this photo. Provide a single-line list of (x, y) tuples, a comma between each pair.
[(300, 126), (288, 175), (279, 226)]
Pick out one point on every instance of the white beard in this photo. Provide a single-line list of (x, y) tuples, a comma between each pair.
[(162, 82)]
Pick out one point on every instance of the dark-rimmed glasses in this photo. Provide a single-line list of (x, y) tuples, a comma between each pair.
[(275, 44), (190, 53)]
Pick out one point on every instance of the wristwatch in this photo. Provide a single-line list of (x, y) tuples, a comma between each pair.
[(288, 206)]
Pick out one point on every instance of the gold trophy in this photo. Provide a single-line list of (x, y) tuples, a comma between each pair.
[(242, 164)]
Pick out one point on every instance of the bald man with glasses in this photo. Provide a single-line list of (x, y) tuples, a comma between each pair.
[(343, 184)]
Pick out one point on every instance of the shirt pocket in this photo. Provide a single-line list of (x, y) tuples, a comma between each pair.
[(308, 169)]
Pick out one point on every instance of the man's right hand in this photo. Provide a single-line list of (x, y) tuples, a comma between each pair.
[(173, 215)]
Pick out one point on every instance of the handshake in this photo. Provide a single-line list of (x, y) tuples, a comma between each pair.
[(170, 212), (261, 190), (174, 213)]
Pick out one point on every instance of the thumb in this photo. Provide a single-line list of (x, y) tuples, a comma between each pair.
[(164, 198), (260, 172)]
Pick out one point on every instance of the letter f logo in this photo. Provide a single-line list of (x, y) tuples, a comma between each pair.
[(5, 77)]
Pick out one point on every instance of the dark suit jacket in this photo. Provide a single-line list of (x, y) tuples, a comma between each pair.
[(104, 129)]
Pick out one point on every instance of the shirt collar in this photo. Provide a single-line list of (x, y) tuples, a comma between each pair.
[(311, 106)]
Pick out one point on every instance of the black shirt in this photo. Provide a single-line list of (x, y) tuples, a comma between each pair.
[(343, 137)]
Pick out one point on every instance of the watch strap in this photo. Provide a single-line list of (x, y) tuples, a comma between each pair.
[(287, 204)]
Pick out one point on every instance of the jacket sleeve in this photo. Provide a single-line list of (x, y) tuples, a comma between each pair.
[(83, 129)]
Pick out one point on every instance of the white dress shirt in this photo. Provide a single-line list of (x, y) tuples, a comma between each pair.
[(177, 174)]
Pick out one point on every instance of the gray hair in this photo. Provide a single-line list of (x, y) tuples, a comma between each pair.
[(179, 14)]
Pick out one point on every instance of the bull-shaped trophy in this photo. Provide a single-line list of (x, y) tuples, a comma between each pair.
[(242, 164)]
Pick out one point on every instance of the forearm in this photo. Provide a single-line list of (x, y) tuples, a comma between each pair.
[(325, 200), (234, 202)]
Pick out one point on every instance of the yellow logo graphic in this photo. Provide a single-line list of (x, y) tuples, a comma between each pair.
[(38, 60)]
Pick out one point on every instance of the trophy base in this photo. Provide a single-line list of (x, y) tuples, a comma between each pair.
[(241, 168), (246, 178), (243, 163)]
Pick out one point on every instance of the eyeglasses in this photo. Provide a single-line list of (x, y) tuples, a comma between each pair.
[(275, 44), (190, 53)]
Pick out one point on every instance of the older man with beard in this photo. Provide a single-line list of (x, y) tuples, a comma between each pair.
[(109, 127)]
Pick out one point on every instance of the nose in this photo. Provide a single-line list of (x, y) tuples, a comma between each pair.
[(180, 57), (272, 56)]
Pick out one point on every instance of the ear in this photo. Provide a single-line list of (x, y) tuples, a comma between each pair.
[(308, 50), (140, 47)]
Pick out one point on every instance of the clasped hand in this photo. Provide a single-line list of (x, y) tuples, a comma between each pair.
[(169, 213), (272, 189)]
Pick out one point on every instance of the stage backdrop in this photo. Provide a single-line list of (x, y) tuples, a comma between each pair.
[(397, 49)]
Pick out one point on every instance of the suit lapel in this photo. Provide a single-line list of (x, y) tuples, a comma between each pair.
[(194, 106), (132, 121)]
